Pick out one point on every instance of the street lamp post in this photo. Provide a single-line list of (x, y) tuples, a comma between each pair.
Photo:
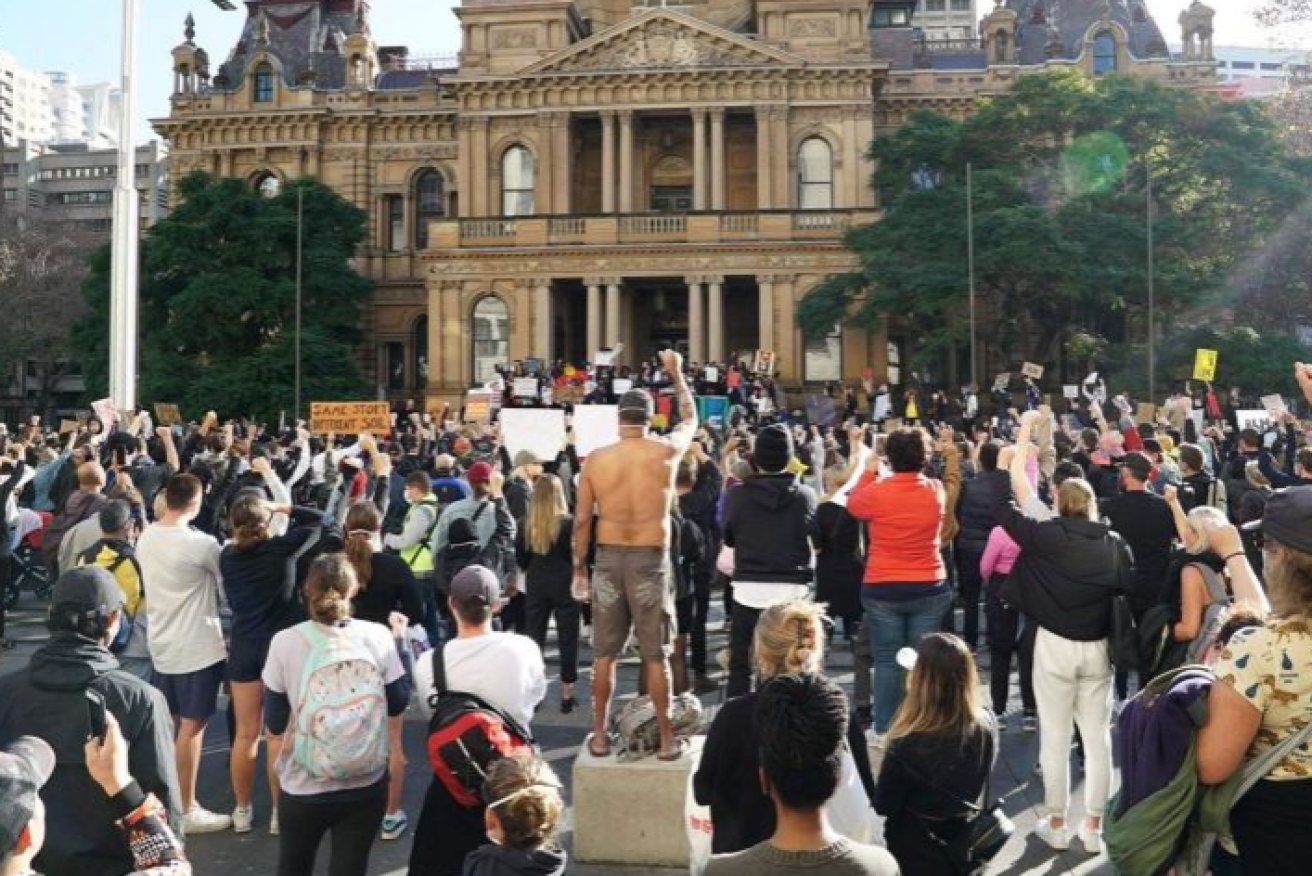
[(1152, 303), (970, 266), (300, 219), (124, 248)]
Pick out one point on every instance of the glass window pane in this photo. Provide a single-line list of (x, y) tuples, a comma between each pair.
[(491, 333), (824, 357), (815, 174), (1104, 54), (518, 178)]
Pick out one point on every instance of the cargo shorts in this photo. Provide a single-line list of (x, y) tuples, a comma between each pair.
[(632, 589)]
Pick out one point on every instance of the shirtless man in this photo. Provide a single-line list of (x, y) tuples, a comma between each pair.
[(630, 486)]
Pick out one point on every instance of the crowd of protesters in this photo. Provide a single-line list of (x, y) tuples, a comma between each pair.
[(280, 568)]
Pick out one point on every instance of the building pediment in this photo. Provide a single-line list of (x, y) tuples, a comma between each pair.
[(662, 40)]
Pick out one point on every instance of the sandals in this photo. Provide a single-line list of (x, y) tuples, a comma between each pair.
[(680, 749), (603, 751)]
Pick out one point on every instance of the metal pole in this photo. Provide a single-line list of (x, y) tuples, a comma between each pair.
[(123, 251), (300, 209), (970, 264), (1152, 303)]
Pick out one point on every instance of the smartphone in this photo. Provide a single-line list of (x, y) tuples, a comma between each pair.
[(95, 714)]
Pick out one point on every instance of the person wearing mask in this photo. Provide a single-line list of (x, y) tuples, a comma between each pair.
[(115, 553), (975, 518), (802, 723), (26, 767), (544, 552), (942, 748), (259, 578), (492, 522), (523, 819), (332, 771), (504, 670), (50, 699), (906, 592), (412, 544), (769, 521), (789, 640), (186, 633)]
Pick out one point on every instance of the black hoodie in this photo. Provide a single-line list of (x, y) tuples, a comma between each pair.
[(770, 522), (48, 700), (494, 860)]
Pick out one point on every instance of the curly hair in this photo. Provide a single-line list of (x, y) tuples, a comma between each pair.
[(524, 794), (801, 722)]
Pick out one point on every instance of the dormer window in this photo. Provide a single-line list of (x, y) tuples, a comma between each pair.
[(1104, 54), (264, 83)]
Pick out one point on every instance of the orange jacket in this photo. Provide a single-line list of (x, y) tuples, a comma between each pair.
[(905, 514)]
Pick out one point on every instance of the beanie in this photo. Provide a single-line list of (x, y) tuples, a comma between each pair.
[(774, 449)]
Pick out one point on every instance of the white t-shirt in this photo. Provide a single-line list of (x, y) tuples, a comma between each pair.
[(503, 669), (282, 674), (181, 565)]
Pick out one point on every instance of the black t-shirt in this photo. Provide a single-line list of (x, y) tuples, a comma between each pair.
[(1144, 520), (392, 587)]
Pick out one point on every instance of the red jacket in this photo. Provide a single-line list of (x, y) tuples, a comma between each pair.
[(905, 514)]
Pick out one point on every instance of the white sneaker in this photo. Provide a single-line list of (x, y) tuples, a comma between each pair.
[(877, 740), (1091, 838), (273, 823), (1058, 838), (200, 820), (243, 819)]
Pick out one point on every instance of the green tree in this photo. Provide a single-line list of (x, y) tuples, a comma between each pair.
[(1060, 170), (218, 299)]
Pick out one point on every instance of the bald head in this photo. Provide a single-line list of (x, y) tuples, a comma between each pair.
[(90, 477)]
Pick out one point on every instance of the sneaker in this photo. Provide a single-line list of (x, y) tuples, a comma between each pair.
[(876, 740), (1029, 723), (200, 820), (1091, 838), (394, 824), (243, 819), (273, 822), (1058, 838), (1001, 721)]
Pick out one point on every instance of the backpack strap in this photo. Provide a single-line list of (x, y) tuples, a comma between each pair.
[(439, 670), (482, 506)]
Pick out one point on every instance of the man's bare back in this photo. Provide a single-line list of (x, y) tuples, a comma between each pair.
[(632, 483)]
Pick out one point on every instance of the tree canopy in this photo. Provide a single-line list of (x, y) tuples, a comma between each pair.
[(218, 299), (1060, 166)]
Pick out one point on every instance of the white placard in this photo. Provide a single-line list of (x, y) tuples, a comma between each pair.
[(1001, 381), (106, 412), (1258, 419), (540, 430), (604, 358), (1070, 390), (526, 387), (711, 375), (1274, 405), (621, 385), (595, 426), (1032, 371)]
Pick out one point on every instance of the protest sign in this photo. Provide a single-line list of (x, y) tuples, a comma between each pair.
[(534, 366), (764, 361), (1035, 372), (621, 385), (106, 412), (820, 410), (350, 418), (595, 426), (1205, 365), (1252, 419), (1070, 390), (478, 406), (1274, 405), (525, 387), (66, 426), (712, 408), (539, 430), (1146, 412), (710, 374), (168, 414), (1001, 382)]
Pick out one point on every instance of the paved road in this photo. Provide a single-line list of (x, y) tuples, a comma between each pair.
[(560, 736)]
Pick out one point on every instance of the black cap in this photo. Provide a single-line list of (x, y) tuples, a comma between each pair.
[(475, 586), (1288, 518), (25, 766), (87, 589)]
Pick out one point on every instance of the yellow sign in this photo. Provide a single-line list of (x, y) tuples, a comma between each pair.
[(350, 418), (1205, 365), (478, 406)]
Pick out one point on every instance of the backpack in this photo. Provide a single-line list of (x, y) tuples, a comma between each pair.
[(340, 732), (466, 735), (124, 553), (1161, 652), (635, 724), (464, 548)]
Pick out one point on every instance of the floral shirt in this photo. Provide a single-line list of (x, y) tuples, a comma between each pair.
[(1271, 667)]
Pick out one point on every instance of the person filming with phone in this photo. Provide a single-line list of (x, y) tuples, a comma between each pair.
[(73, 690)]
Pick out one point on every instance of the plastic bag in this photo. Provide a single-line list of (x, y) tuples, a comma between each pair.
[(697, 824), (849, 809)]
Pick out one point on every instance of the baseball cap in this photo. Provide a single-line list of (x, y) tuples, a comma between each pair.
[(1287, 518), (444, 462), (637, 401), (475, 585), (526, 457), (25, 766), (479, 473), (87, 589)]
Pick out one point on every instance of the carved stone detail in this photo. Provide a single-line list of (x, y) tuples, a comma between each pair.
[(515, 38), (812, 27)]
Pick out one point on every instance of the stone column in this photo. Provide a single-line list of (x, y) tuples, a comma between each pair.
[(562, 133), (541, 348), (626, 161), (613, 312), (696, 321), (594, 318), (765, 300), (699, 198), (608, 161), (718, 173), (715, 303)]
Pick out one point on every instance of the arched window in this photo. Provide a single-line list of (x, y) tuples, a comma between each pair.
[(491, 333), (518, 176), (263, 83), (267, 185), (1001, 48), (815, 175), (1104, 54), (430, 204)]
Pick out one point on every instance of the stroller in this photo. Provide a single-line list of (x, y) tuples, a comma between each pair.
[(27, 568)]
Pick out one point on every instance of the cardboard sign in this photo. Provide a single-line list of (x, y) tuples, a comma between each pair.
[(66, 426), (1274, 405), (168, 414), (106, 412), (1032, 371), (621, 385), (1205, 365), (1070, 390), (1002, 381), (595, 426), (1146, 412), (764, 362), (478, 406), (350, 418), (820, 410), (539, 430), (525, 387)]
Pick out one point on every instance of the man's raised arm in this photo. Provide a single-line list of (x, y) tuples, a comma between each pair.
[(681, 435)]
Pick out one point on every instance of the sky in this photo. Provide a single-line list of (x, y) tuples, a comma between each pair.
[(82, 37)]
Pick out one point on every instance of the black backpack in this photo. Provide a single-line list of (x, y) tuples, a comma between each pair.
[(464, 548)]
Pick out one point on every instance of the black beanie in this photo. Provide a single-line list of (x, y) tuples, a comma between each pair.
[(774, 449)]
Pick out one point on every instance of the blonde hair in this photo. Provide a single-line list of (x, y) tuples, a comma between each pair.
[(546, 514), (1075, 498), (524, 794), (328, 588), (942, 691), (1202, 521), (790, 639), (1253, 474)]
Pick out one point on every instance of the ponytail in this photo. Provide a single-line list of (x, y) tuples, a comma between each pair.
[(362, 523), (328, 589)]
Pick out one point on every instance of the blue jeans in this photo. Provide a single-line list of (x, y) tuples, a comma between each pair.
[(893, 626)]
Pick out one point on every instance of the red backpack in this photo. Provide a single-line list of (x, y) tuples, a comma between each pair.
[(466, 735)]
